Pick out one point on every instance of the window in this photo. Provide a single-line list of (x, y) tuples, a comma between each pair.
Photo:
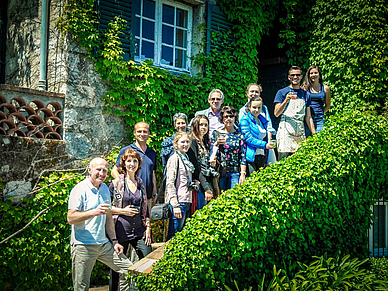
[(378, 239), (162, 31)]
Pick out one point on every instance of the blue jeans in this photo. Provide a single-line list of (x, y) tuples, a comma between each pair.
[(176, 224), (229, 180), (319, 121), (201, 202)]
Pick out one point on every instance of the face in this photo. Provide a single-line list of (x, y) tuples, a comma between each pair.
[(183, 144), (98, 170), (131, 164), (142, 132), (228, 120), (180, 124), (295, 77), (203, 126), (256, 107), (253, 91), (314, 75), (215, 101)]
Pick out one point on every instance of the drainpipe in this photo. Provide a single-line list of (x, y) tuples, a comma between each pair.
[(43, 47)]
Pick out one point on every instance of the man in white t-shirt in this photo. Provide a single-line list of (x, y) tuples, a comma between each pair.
[(89, 217)]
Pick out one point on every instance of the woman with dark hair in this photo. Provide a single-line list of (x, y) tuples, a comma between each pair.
[(179, 183), (320, 97), (130, 213), (228, 147), (254, 126), (198, 153)]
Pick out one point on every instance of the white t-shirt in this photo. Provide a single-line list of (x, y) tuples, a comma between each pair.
[(84, 196)]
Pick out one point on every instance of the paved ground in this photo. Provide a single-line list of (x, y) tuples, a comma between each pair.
[(104, 288)]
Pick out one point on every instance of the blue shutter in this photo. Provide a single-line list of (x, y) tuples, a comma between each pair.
[(107, 10), (216, 21)]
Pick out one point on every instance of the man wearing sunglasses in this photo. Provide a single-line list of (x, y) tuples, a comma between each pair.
[(292, 104), (215, 99)]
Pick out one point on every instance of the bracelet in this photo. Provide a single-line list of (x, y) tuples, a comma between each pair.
[(243, 172), (115, 239)]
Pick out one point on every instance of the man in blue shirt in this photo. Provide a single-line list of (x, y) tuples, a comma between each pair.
[(148, 167), (89, 217), (293, 106)]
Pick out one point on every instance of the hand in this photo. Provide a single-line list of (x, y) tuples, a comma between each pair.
[(177, 212), (197, 182), (208, 195), (290, 95), (242, 178), (101, 209), (270, 145), (119, 249), (212, 163), (130, 210), (148, 236)]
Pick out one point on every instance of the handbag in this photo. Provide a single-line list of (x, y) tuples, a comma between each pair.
[(160, 211)]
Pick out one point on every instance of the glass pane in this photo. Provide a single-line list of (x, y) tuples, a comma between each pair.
[(181, 18), (379, 227), (136, 6), (168, 14), (180, 59), (181, 38), (148, 29), (147, 50), (168, 34), (137, 47), (149, 9), (167, 58), (136, 26)]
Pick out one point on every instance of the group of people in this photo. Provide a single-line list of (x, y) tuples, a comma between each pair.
[(218, 149)]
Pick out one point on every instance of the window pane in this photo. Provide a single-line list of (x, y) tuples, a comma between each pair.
[(147, 50), (181, 38), (136, 26), (180, 59), (168, 34), (136, 6), (379, 227), (137, 47), (168, 14), (148, 29), (149, 9), (181, 18), (167, 58)]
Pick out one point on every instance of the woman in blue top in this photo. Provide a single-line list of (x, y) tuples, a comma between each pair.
[(254, 127), (320, 97), (228, 147)]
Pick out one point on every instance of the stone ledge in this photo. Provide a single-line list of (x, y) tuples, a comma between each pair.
[(6, 87)]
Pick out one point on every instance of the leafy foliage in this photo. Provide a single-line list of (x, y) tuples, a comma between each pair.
[(315, 202)]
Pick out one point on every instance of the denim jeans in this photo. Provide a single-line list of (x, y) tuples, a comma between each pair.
[(319, 121), (176, 224), (201, 202), (229, 180)]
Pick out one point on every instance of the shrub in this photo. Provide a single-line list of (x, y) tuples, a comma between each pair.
[(379, 266), (315, 202)]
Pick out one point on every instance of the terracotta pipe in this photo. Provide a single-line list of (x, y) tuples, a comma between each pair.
[(2, 99), (27, 111), (44, 113), (34, 133), (7, 124), (18, 102), (16, 132), (53, 135), (8, 108), (36, 104)]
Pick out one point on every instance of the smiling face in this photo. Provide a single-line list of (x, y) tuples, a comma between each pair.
[(253, 91), (98, 170), (314, 75), (180, 124), (228, 120), (215, 101), (131, 164), (183, 144), (203, 126), (141, 132), (295, 76), (255, 108)]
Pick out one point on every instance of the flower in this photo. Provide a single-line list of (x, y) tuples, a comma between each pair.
[(226, 146)]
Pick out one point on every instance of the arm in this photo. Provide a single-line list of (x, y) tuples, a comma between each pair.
[(309, 120), (249, 138), (74, 216), (155, 190), (115, 172), (269, 124), (279, 107), (327, 99), (243, 163), (110, 230)]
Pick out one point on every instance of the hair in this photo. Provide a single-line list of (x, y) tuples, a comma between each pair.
[(254, 98), (254, 84), (228, 110), (216, 90), (307, 81), (129, 153), (179, 116), (178, 136), (194, 131), (141, 122), (294, 68)]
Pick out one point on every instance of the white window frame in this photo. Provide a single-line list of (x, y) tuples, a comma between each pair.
[(158, 34), (372, 249)]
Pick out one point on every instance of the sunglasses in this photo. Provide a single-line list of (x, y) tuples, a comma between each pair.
[(215, 99), (228, 116), (295, 75)]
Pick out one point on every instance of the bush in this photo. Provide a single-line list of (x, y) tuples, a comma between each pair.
[(315, 202), (379, 266)]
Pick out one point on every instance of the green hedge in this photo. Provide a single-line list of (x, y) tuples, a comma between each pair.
[(317, 201)]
